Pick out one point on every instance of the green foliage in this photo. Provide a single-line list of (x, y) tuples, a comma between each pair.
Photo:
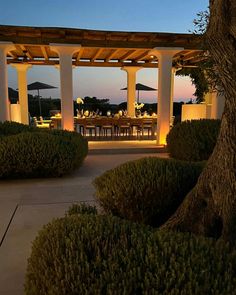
[(31, 152), (92, 254), (147, 190), (82, 208), (193, 140), (12, 128), (205, 76), (201, 22)]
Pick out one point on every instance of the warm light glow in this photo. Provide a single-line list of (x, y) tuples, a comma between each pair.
[(15, 111), (164, 130), (79, 100), (195, 111), (138, 106), (86, 113)]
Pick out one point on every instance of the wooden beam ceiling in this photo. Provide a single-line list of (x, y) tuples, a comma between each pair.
[(96, 55), (111, 55), (44, 51), (26, 52), (13, 55), (80, 54), (128, 55), (142, 56)]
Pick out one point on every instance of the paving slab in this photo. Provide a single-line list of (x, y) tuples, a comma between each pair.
[(16, 248)]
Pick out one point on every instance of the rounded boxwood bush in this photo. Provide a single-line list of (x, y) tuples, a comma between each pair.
[(147, 190), (193, 140), (41, 153), (92, 254), (12, 128), (81, 208)]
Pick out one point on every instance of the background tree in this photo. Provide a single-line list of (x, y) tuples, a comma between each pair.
[(204, 76), (210, 208)]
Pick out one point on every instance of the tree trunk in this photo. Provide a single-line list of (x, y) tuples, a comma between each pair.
[(210, 208)]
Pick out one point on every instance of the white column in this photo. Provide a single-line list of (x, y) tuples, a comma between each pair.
[(172, 93), (65, 53), (131, 89), (4, 100), (23, 92), (165, 90), (218, 103)]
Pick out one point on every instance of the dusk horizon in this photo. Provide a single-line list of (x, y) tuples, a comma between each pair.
[(105, 82)]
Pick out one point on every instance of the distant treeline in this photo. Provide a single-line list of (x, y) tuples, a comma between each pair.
[(91, 104)]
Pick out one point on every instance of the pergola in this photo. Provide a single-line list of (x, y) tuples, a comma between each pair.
[(23, 47)]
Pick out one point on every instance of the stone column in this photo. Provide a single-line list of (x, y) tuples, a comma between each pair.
[(23, 92), (218, 103), (65, 53), (131, 89), (4, 99), (165, 90)]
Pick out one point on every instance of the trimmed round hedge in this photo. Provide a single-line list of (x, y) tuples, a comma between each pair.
[(30, 152), (148, 190), (12, 128), (193, 140), (92, 254)]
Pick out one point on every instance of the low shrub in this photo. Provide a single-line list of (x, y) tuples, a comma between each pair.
[(193, 140), (147, 190), (41, 154), (81, 208), (92, 254), (12, 128)]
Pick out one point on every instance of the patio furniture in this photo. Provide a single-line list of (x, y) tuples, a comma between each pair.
[(107, 126), (124, 127), (90, 126), (136, 125), (147, 125), (41, 123)]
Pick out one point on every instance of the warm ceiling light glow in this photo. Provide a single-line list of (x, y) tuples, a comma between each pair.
[(151, 56)]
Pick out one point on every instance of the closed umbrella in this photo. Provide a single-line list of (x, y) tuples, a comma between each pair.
[(38, 86), (142, 87)]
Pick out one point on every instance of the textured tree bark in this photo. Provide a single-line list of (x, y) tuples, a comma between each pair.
[(210, 208)]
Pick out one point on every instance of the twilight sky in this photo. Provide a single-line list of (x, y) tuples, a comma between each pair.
[(123, 15)]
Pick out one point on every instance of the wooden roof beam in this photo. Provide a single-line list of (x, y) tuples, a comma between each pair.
[(111, 64), (18, 48), (111, 55), (26, 52), (96, 54), (192, 55), (13, 55), (142, 56), (188, 55), (80, 54), (44, 51), (127, 55)]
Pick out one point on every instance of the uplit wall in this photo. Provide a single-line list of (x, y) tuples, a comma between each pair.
[(15, 113), (195, 111)]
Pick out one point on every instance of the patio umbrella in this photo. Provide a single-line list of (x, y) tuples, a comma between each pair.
[(38, 86), (141, 87)]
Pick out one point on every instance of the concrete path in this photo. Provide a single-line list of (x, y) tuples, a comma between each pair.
[(26, 205)]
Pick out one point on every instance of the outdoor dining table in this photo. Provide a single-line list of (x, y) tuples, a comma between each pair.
[(116, 125)]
